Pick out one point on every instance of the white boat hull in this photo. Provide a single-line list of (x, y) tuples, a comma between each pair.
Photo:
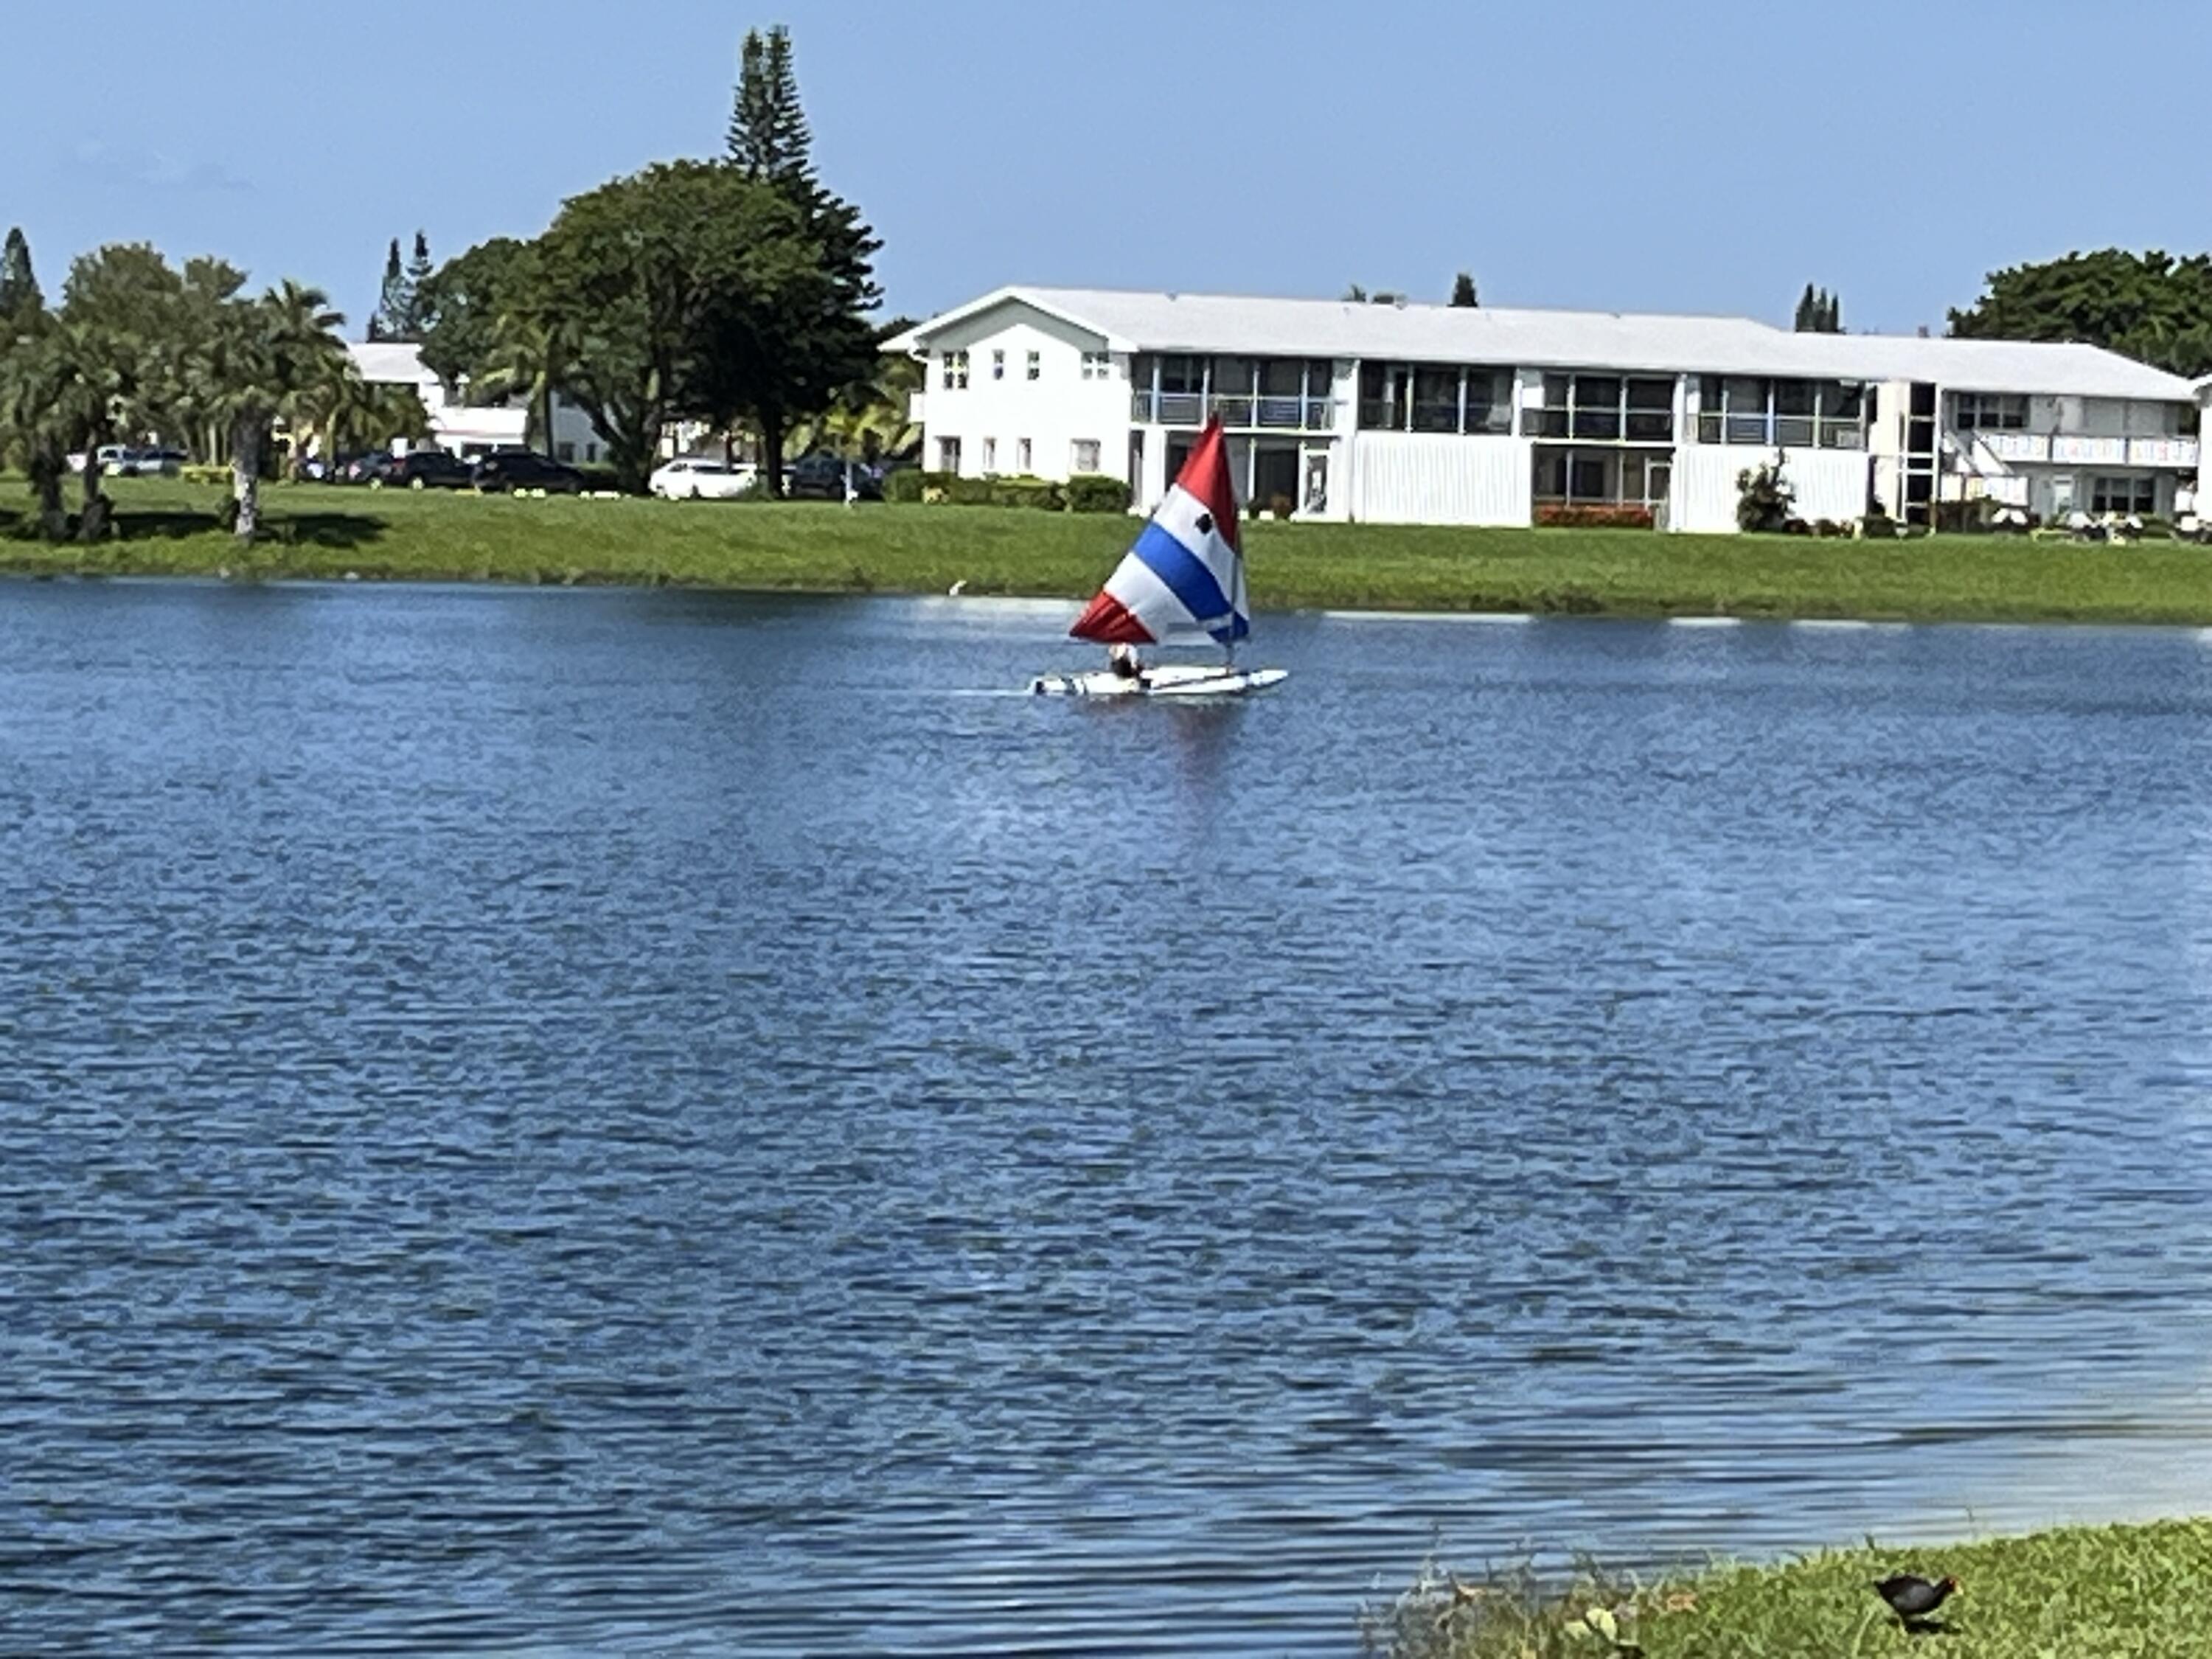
[(1168, 680)]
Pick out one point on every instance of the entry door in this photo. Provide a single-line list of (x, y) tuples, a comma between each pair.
[(1313, 489)]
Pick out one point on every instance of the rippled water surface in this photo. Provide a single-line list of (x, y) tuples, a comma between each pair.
[(566, 1122)]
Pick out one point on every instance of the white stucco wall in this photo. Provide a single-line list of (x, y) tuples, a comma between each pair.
[(1052, 411), (1412, 478), (1830, 483)]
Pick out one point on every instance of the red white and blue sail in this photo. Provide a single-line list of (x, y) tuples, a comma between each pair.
[(1184, 578)]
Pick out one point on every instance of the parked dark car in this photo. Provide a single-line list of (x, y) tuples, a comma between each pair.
[(821, 476), (422, 469), (525, 469)]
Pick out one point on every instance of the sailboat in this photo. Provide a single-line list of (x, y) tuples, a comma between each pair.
[(1182, 581)]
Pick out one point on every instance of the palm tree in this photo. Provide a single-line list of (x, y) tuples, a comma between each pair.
[(341, 413), (870, 417), (530, 347), (33, 424), (57, 395), (256, 363)]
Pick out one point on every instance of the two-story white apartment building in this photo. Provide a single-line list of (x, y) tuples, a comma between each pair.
[(1413, 414)]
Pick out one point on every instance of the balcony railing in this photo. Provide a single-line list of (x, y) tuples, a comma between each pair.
[(1240, 410), (2073, 449), (2079, 450), (1783, 431), (2013, 446), (2162, 452)]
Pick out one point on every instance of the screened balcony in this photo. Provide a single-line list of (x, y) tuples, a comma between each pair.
[(1435, 398), (1781, 413), (1637, 409), (1263, 394)]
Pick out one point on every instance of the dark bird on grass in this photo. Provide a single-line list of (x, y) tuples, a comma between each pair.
[(1911, 1597)]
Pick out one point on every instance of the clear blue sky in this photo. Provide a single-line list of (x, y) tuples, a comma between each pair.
[(1638, 156)]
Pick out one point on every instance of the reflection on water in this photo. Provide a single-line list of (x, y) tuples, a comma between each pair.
[(644, 1122)]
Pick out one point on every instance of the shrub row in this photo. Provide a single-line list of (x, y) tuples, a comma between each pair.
[(1088, 492)]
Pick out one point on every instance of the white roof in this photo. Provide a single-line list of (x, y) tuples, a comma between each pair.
[(390, 363), (1238, 326)]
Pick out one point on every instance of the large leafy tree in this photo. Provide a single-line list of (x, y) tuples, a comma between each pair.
[(649, 279), (789, 361), (117, 334), (462, 305), (2151, 306)]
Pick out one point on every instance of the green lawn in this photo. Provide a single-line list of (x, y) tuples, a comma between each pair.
[(319, 530), (2070, 1593)]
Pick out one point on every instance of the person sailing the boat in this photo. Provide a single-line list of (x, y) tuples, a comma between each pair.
[(1125, 662)]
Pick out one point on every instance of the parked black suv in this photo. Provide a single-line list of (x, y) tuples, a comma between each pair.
[(525, 469), (422, 469), (821, 476)]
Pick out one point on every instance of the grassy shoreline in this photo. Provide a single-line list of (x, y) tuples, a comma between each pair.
[(2077, 1592), (169, 529)]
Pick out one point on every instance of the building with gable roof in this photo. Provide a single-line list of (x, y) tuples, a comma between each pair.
[(1415, 414)]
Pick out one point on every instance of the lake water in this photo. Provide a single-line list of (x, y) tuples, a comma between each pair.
[(583, 1121)]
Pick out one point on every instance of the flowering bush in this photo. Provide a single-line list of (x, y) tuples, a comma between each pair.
[(1593, 515)]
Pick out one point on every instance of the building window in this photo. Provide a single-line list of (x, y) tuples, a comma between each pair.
[(997, 365), (2137, 496), (1083, 455), (1431, 396), (1992, 411), (1036, 364), (1022, 456), (956, 371), (564, 452), (1096, 364), (990, 456), (948, 455)]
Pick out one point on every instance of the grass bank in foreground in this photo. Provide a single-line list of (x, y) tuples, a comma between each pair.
[(169, 529), (2070, 1593)]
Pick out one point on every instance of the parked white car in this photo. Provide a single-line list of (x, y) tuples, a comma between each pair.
[(702, 477), (130, 461)]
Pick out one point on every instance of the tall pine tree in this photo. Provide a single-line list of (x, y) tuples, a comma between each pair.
[(419, 271), (769, 136), (790, 361), (19, 289), (393, 300), (1818, 312), (1462, 292)]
